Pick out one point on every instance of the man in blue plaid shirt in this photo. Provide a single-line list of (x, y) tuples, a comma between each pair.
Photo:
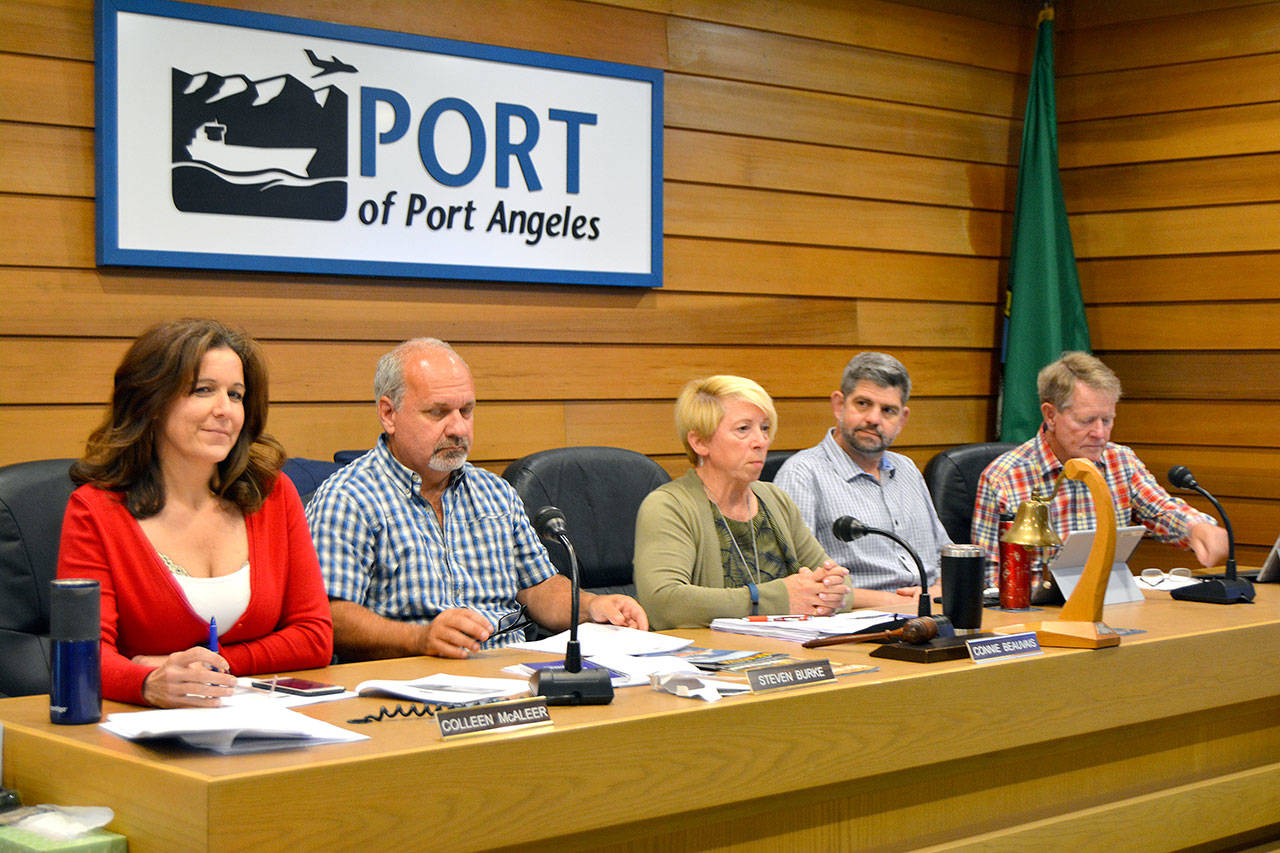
[(422, 552)]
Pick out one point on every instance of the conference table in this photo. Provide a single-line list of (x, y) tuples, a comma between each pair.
[(1169, 740)]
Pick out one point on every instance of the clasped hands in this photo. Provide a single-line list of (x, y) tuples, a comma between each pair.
[(817, 592)]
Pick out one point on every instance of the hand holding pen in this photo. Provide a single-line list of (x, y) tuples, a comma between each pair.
[(195, 678)]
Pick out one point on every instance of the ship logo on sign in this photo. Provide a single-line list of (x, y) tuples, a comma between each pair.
[(273, 147)]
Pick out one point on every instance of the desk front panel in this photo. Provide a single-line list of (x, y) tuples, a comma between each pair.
[(904, 756)]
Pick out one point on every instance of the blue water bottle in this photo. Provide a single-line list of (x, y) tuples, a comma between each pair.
[(75, 694)]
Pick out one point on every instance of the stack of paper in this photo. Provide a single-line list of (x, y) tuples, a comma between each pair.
[(595, 639), (229, 730), (445, 689), (802, 629)]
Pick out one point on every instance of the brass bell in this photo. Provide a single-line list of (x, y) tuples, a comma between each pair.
[(1031, 524)]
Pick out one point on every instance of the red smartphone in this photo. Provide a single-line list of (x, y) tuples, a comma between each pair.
[(300, 686)]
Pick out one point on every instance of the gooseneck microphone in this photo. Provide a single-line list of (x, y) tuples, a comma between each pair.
[(1230, 589), (847, 528), (571, 685)]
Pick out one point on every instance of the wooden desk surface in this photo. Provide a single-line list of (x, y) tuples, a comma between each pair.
[(1094, 745)]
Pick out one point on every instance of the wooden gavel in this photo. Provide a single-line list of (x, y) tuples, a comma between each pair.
[(916, 631)]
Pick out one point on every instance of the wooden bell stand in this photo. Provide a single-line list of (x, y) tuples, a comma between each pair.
[(1080, 624)]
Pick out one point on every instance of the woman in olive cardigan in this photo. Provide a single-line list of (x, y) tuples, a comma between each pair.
[(716, 542)]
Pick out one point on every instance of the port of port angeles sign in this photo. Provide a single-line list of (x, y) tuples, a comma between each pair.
[(238, 140)]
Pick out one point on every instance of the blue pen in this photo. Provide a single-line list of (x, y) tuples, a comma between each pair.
[(213, 635)]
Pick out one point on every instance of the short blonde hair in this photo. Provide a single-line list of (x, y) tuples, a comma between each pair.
[(1056, 382), (700, 407)]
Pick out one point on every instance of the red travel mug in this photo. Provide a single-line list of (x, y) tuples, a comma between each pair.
[(1015, 575)]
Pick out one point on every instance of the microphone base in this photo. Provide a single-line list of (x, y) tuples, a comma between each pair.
[(1238, 591), (587, 687)]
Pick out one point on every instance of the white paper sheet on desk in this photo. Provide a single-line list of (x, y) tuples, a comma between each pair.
[(229, 729), (445, 689), (807, 629), (627, 670), (595, 639)]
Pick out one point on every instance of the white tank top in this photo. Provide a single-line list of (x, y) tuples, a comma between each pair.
[(223, 598)]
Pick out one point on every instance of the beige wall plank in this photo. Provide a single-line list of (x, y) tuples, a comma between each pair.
[(1188, 278), (867, 23), (61, 28), (889, 324), (64, 154), (123, 304), (1218, 132), (1227, 472), (734, 267), (342, 371), (740, 214), (1209, 326), (46, 91), (647, 426), (1136, 34), (769, 164), (1169, 88), (41, 231), (1181, 183), (1233, 424), (734, 53), (753, 110), (1230, 228), (1198, 375)]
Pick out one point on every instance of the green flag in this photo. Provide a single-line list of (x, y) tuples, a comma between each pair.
[(1045, 310)]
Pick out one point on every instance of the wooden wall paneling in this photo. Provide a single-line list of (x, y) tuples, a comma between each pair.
[(1233, 423), (1180, 183), (1254, 522), (1158, 555), (751, 109), (57, 28), (45, 231), (302, 371), (273, 308), (1169, 88), (1203, 230), (647, 426), (1227, 472), (705, 265), (743, 161), (897, 324), (1181, 375), (1224, 325), (1136, 34), (45, 160), (994, 41), (742, 214), (735, 53), (41, 90), (1187, 278), (1247, 129)]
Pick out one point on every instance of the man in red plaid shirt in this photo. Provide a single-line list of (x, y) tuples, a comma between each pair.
[(1078, 395)]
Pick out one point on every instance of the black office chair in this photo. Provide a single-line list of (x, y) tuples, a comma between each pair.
[(599, 489), (952, 478), (772, 462), (33, 499)]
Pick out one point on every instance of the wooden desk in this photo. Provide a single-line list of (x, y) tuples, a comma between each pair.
[(1169, 740)]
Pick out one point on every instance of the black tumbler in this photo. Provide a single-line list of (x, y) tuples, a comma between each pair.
[(963, 580), (75, 694)]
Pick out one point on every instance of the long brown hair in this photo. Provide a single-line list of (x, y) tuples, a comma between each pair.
[(159, 367)]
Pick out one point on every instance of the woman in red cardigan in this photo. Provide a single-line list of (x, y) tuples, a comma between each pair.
[(185, 521)]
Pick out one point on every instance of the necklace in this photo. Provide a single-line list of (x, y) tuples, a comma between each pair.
[(752, 572)]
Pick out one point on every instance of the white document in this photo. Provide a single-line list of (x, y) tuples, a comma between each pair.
[(627, 670), (229, 729), (445, 689), (1068, 565), (596, 639), (803, 629)]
